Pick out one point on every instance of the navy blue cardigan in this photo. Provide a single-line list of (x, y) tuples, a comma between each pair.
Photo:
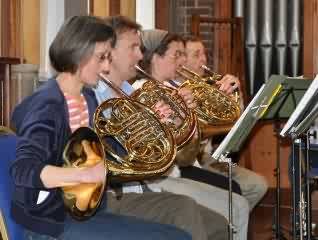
[(41, 122)]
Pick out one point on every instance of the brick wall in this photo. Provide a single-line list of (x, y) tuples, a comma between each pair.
[(181, 16)]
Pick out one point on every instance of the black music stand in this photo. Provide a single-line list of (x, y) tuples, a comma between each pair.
[(297, 128), (300, 135), (280, 109), (241, 129)]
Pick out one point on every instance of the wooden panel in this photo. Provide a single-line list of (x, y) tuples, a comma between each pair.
[(114, 7), (10, 28), (5, 27), (223, 8), (262, 147), (31, 31), (5, 98), (91, 7), (101, 8), (310, 60), (221, 37), (128, 8), (162, 14)]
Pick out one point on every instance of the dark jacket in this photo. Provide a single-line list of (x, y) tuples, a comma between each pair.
[(42, 126)]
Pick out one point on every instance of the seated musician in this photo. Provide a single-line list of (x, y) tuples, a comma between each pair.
[(45, 120), (253, 185), (125, 55), (162, 53)]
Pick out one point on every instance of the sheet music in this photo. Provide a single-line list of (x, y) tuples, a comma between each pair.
[(306, 122), (253, 112), (302, 105), (217, 153)]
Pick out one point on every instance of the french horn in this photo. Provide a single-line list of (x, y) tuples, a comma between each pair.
[(130, 140), (152, 91), (213, 106), (212, 77), (82, 200), (147, 146)]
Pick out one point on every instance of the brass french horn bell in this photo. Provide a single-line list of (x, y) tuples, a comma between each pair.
[(144, 148), (84, 149)]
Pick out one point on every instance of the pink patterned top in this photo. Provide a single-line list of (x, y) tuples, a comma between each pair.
[(77, 111)]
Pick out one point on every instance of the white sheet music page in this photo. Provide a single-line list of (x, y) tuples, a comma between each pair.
[(217, 153), (302, 105)]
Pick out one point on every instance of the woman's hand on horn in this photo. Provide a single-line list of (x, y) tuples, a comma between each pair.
[(94, 166), (187, 96)]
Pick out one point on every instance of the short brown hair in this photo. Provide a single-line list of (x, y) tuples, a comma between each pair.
[(122, 24), (76, 41)]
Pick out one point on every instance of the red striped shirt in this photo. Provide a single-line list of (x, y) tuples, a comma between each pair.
[(77, 111)]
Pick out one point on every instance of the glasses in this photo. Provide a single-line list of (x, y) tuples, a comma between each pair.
[(103, 56), (177, 55)]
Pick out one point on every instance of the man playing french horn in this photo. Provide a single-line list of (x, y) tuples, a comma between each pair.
[(137, 199), (163, 54), (253, 185)]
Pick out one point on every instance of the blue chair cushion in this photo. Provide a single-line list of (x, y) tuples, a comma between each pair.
[(7, 155)]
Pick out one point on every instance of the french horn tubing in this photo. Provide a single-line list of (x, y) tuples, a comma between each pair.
[(147, 146), (152, 91), (128, 139)]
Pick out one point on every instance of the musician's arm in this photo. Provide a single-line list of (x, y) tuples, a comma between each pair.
[(37, 164), (53, 177)]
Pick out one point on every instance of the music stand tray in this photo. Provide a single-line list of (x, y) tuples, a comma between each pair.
[(285, 103)]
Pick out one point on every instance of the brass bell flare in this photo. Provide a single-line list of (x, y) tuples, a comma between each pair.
[(83, 150)]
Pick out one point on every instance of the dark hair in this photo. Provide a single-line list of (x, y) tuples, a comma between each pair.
[(121, 24), (76, 41), (161, 49)]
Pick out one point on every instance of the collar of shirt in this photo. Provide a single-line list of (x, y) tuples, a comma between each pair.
[(103, 92)]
